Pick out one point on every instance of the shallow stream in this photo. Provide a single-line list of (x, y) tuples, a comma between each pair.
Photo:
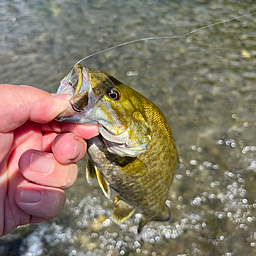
[(205, 84)]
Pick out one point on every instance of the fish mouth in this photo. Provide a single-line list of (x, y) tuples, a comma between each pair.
[(77, 84)]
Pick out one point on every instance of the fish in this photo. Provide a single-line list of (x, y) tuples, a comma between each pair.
[(134, 153)]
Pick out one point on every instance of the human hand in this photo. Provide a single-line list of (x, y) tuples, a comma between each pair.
[(37, 155)]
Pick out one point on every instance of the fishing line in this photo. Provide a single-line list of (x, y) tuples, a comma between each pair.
[(165, 37)]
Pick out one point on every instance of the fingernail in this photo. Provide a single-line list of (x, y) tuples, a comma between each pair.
[(77, 148), (30, 196), (41, 163)]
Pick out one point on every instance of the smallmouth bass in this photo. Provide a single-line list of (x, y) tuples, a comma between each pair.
[(135, 153)]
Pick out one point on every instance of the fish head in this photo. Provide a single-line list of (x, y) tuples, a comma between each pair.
[(98, 98)]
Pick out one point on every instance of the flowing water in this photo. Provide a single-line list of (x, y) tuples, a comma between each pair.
[(205, 84)]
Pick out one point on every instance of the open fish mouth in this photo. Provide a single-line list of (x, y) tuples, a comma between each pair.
[(83, 98)]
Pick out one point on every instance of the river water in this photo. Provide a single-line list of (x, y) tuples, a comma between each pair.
[(205, 84)]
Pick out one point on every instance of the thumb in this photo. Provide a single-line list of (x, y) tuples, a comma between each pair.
[(22, 103)]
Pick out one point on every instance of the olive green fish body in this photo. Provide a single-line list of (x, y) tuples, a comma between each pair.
[(135, 153)]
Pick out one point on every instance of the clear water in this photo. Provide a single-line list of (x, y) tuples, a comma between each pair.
[(204, 83)]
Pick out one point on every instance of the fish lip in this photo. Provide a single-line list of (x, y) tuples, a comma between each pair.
[(71, 111), (76, 119), (82, 99)]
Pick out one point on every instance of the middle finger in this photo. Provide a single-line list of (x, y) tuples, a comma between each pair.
[(68, 148)]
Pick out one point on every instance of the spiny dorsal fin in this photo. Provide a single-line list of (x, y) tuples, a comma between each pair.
[(90, 171), (122, 210), (102, 182)]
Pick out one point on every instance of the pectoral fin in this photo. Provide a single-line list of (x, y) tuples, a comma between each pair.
[(103, 183), (122, 210), (91, 171)]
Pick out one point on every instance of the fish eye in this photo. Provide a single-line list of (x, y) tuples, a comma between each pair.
[(70, 83), (113, 94)]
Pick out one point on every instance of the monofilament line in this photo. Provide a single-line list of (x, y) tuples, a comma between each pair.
[(165, 37)]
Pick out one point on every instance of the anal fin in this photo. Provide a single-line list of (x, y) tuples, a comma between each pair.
[(122, 210)]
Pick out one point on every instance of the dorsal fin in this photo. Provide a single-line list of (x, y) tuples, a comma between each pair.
[(122, 210)]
